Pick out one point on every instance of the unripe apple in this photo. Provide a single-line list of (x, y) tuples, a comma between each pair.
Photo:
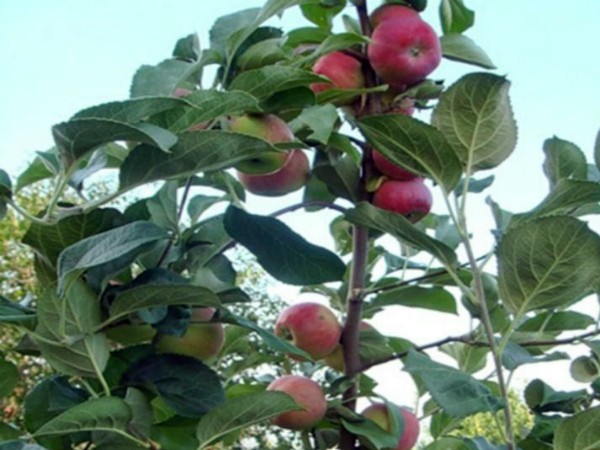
[(403, 51), (391, 170), (378, 413), (131, 334), (201, 340), (335, 359), (311, 327), (288, 178), (268, 127), (387, 12), (308, 394), (344, 71), (410, 198)]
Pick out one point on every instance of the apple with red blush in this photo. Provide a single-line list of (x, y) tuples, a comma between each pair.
[(410, 198), (307, 394), (379, 413)]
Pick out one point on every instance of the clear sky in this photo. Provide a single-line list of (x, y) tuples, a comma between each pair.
[(60, 56)]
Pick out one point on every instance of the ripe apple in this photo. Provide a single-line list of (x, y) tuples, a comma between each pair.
[(387, 12), (335, 359), (344, 71), (201, 340), (268, 127), (311, 327), (404, 51), (378, 413), (391, 170), (288, 178), (410, 198), (308, 394)]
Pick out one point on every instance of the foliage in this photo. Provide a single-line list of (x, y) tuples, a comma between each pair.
[(145, 265)]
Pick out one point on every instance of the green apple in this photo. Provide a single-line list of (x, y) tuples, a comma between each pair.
[(201, 340), (268, 127)]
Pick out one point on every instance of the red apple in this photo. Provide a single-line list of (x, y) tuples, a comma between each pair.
[(268, 127), (387, 12), (344, 71), (311, 327), (410, 198), (378, 413), (391, 170), (404, 51), (308, 394), (288, 178), (201, 340)]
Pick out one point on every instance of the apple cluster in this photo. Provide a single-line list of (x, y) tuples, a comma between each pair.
[(315, 329)]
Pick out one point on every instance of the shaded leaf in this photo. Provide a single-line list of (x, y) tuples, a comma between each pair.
[(281, 252), (9, 377), (475, 116), (547, 262), (12, 312), (457, 392), (563, 160), (266, 81), (241, 412), (455, 16), (413, 145), (580, 432), (367, 215), (514, 356), (161, 79)]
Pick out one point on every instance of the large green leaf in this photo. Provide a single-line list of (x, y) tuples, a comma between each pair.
[(200, 151), (458, 47), (369, 216), (153, 295), (186, 384), (413, 145), (455, 16), (161, 79), (459, 394), (476, 117), (77, 137), (12, 312), (109, 414), (580, 432), (50, 241), (563, 160), (547, 262), (65, 331), (124, 244), (281, 252), (241, 412), (266, 81), (566, 198), (9, 376), (434, 298), (130, 111)]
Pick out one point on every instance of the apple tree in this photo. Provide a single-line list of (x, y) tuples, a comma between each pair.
[(139, 310)]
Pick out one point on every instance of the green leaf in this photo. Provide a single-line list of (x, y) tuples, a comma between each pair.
[(241, 412), (200, 203), (548, 262), (476, 117), (458, 47), (563, 160), (12, 312), (369, 216), (333, 43), (38, 169), (266, 81), (413, 145), (188, 48), (469, 358), (110, 414), (262, 54), (65, 331), (455, 16), (154, 295), (5, 185), (123, 244), (320, 119), (447, 443), (163, 207), (159, 80), (373, 432), (566, 198), (50, 241), (320, 14), (19, 445), (480, 443), (270, 339), (514, 356), (130, 111), (186, 384), (580, 432), (557, 321), (434, 298), (459, 394), (8, 432), (597, 150), (207, 105), (200, 151), (281, 252), (339, 174), (77, 137), (9, 377), (540, 397)]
